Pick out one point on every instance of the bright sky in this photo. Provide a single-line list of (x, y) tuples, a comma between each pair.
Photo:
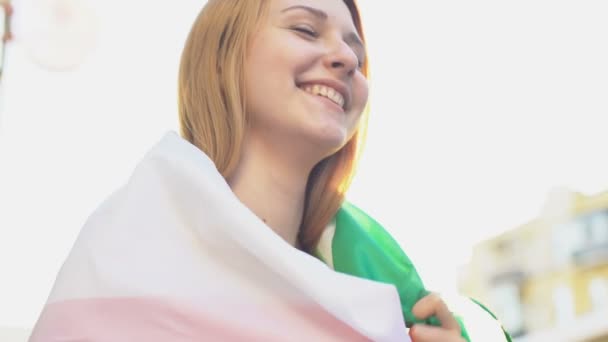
[(479, 109)]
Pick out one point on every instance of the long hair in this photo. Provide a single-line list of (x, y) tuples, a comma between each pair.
[(212, 113)]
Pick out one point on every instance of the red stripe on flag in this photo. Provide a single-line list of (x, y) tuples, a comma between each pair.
[(155, 320)]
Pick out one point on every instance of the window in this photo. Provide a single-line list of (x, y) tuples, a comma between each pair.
[(598, 293), (563, 303), (598, 228), (567, 239), (581, 239), (506, 300)]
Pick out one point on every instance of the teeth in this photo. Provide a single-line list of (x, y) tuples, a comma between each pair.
[(325, 91), (331, 93)]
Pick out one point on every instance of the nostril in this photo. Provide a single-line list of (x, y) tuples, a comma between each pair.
[(337, 64)]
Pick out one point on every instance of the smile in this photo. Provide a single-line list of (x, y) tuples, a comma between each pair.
[(326, 92)]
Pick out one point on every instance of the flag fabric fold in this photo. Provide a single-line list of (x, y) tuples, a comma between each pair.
[(173, 255)]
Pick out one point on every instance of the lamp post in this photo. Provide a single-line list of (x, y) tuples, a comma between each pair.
[(6, 11)]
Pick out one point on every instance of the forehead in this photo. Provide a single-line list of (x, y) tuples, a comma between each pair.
[(336, 10)]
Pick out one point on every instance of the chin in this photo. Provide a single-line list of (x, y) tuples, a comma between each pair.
[(329, 141)]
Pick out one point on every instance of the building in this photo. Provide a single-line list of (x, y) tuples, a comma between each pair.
[(547, 280)]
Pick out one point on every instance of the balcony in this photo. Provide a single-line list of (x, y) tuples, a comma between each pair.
[(591, 254)]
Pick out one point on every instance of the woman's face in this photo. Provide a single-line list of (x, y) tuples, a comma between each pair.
[(303, 79)]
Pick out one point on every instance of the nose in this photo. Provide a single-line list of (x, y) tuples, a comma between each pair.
[(342, 59)]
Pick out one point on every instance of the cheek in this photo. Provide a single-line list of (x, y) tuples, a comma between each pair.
[(360, 97), (360, 92), (264, 63), (265, 74)]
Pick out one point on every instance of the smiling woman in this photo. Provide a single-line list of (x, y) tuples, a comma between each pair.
[(237, 229)]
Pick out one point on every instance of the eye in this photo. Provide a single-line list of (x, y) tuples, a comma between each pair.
[(307, 30)]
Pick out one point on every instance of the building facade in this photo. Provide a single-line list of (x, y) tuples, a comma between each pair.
[(547, 280)]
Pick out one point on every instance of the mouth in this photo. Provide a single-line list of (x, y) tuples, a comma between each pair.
[(335, 95)]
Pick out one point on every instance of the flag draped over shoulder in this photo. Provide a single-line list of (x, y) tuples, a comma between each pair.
[(173, 255)]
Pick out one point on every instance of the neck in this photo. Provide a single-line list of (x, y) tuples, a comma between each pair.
[(273, 186)]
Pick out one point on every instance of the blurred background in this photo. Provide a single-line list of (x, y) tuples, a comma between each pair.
[(485, 156)]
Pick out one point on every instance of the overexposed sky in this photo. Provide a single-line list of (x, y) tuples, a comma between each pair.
[(479, 109)]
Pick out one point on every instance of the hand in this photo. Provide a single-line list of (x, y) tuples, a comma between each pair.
[(427, 307)]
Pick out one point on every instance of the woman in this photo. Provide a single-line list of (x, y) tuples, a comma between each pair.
[(219, 234)]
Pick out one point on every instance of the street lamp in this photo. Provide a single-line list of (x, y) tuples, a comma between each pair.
[(6, 11), (57, 35)]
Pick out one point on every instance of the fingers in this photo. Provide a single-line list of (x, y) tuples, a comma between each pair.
[(433, 305), (425, 333)]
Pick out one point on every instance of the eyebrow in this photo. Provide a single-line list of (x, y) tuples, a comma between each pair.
[(314, 11), (352, 38)]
